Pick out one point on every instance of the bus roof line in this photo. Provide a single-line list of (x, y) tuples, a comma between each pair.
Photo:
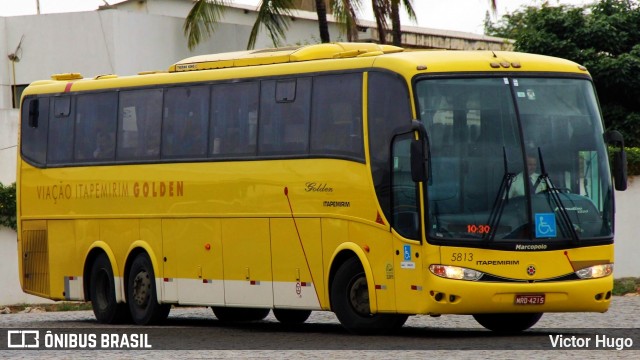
[(282, 55)]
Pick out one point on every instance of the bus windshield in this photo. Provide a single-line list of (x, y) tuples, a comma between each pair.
[(515, 159)]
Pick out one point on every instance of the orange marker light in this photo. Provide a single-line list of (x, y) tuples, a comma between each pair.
[(366, 248), (207, 246)]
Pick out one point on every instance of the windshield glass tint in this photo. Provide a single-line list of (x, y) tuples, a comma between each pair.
[(515, 159)]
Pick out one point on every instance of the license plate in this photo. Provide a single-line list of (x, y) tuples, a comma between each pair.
[(529, 299)]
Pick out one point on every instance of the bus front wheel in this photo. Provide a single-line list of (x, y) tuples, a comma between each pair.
[(102, 294), (508, 322), (350, 302), (141, 293)]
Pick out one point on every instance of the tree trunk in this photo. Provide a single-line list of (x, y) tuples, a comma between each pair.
[(321, 10), (378, 14), (395, 23)]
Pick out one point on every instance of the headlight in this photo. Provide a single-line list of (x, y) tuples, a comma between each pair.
[(594, 272), (455, 272)]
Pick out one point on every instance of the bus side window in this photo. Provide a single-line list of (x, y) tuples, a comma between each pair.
[(95, 126), (234, 119), (60, 142), (186, 122), (139, 117), (284, 122), (34, 132), (336, 120)]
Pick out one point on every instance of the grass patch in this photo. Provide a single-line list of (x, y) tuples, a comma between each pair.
[(627, 285), (61, 306)]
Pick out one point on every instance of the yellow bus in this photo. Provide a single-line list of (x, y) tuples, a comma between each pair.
[(362, 179)]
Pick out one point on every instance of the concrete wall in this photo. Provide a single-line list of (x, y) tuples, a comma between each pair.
[(8, 145), (10, 292), (627, 250), (122, 42)]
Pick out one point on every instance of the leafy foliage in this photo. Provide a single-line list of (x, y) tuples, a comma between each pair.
[(627, 285), (604, 37), (633, 161), (202, 20), (8, 206), (275, 16)]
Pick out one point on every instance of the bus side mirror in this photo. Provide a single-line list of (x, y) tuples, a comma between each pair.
[(34, 113), (419, 153), (615, 139), (418, 161)]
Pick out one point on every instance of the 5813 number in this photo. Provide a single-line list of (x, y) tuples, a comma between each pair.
[(462, 257)]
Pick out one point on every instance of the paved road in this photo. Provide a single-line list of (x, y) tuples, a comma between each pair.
[(200, 335)]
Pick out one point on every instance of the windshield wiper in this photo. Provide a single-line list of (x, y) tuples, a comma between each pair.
[(566, 222), (500, 201)]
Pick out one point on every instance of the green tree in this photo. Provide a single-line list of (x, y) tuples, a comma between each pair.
[(604, 37), (395, 18), (346, 14), (8, 205), (201, 21), (274, 15), (389, 10)]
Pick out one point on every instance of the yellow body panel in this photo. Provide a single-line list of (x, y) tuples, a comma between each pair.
[(294, 249), (194, 242)]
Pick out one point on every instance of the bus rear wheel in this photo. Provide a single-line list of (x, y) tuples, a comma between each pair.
[(291, 316), (350, 302), (102, 294), (229, 314), (508, 323), (141, 293)]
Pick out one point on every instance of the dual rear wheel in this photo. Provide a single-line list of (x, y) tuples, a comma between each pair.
[(142, 305)]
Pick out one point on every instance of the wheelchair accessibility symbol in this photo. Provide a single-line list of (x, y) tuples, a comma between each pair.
[(407, 252), (545, 225)]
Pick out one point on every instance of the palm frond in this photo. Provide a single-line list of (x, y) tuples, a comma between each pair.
[(408, 8), (275, 16), (346, 14), (202, 19), (381, 12), (494, 6)]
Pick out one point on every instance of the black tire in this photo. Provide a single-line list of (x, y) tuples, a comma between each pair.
[(229, 314), (103, 296), (291, 316), (350, 302), (141, 293), (508, 323)]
